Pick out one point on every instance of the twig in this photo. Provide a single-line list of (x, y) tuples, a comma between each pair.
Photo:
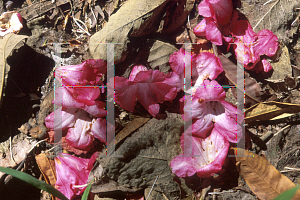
[(265, 15), (152, 187), (267, 2)]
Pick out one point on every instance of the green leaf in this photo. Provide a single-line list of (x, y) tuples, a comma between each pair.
[(287, 195), (86, 192), (33, 181)]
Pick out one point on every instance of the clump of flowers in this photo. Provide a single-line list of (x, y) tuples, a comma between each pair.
[(81, 119)]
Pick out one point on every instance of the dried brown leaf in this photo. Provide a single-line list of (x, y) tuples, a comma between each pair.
[(264, 179), (270, 110), (47, 167), (7, 44)]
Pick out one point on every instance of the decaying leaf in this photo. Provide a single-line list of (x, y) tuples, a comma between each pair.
[(144, 156), (253, 91), (270, 110), (19, 151), (138, 18), (7, 44), (47, 167), (264, 179)]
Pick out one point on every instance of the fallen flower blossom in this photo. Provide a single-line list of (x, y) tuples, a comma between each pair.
[(10, 22), (249, 46), (210, 110), (88, 73), (82, 129), (208, 156), (204, 65), (217, 15), (72, 171), (147, 86)]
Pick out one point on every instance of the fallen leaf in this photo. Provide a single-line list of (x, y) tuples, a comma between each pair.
[(270, 110), (138, 18), (159, 55), (47, 167), (265, 181), (144, 156), (253, 91), (7, 45)]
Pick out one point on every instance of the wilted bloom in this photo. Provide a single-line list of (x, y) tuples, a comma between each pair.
[(210, 110), (147, 86), (10, 22), (204, 65), (208, 156), (72, 171), (88, 73), (249, 46), (82, 128), (217, 15)]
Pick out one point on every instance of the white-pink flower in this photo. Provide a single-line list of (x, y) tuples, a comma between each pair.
[(210, 110), (208, 156), (10, 22)]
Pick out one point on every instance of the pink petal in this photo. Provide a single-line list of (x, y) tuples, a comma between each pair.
[(266, 43), (208, 156), (267, 66), (68, 117), (223, 10), (245, 54), (212, 32), (80, 136), (88, 73), (99, 129), (80, 98), (148, 87), (135, 70), (199, 29), (205, 9), (71, 171), (208, 66)]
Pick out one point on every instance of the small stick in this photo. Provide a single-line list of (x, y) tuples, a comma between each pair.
[(152, 187), (265, 15)]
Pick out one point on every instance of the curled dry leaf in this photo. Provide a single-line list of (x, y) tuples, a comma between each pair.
[(7, 44), (270, 110), (264, 179)]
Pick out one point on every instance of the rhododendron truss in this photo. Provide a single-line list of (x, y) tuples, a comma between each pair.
[(72, 174), (147, 86)]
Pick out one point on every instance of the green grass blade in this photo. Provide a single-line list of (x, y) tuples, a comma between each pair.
[(287, 195), (86, 192), (33, 181)]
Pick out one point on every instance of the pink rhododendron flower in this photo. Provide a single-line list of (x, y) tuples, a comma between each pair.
[(82, 128), (88, 73), (217, 15), (249, 46), (10, 22), (204, 65), (147, 86), (83, 98), (210, 110), (72, 171), (208, 156)]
